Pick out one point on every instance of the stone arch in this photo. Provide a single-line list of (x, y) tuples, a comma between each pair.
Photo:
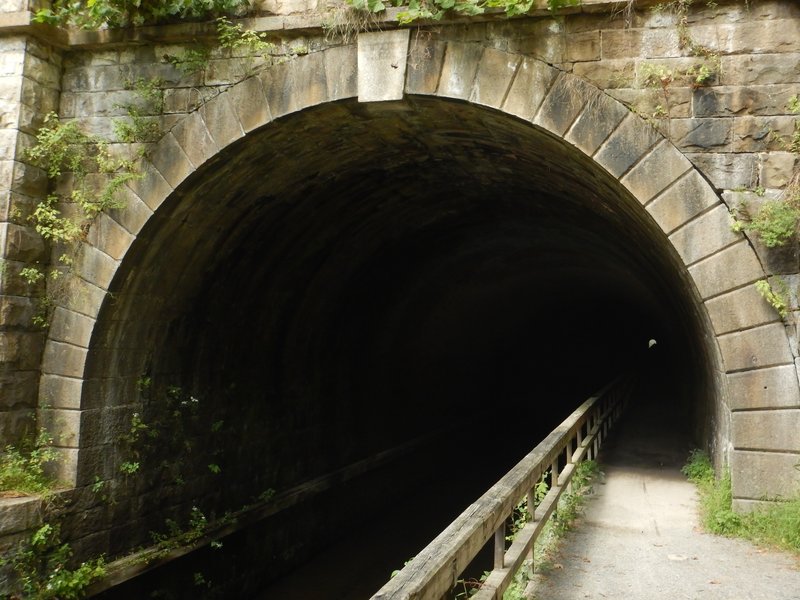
[(754, 349)]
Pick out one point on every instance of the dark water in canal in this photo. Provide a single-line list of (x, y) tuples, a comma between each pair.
[(418, 497)]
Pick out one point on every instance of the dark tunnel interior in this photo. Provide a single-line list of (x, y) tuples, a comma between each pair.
[(355, 276)]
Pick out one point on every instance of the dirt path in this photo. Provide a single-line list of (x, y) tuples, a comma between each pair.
[(639, 538)]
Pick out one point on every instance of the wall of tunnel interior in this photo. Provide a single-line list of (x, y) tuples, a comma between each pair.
[(354, 276)]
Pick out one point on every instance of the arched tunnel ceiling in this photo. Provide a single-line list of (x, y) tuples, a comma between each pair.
[(373, 250)]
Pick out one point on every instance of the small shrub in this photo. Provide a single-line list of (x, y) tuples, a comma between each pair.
[(22, 469)]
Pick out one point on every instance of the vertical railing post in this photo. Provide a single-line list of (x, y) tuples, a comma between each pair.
[(500, 547)]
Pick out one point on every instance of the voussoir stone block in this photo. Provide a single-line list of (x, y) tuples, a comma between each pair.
[(529, 88), (763, 346), (95, 266), (661, 167), (64, 425), (601, 115), (151, 187), (71, 327), (495, 72), (295, 85), (382, 59), (626, 145), (221, 120), (341, 72), (772, 430), (109, 236), (732, 267), (424, 66), (705, 235), (250, 104), (740, 309), (566, 98), (171, 161), (773, 387), (57, 391), (135, 213), (764, 475), (458, 70), (193, 137), (64, 359)]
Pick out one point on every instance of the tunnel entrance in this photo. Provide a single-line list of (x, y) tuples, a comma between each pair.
[(356, 276)]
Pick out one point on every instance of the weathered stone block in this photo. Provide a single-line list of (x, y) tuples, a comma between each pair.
[(607, 74), (424, 66), (583, 46), (95, 266), (750, 36), (724, 101), (564, 101), (19, 514), (20, 350), (773, 387), (763, 346), (71, 327), (755, 134), (601, 115), (295, 85), (458, 70), (627, 145), (495, 72), (772, 430), (701, 135), (740, 309), (762, 475), (109, 236), (23, 244), (18, 390), (82, 296), (634, 43), (541, 38), (529, 88), (221, 120), (135, 213), (171, 161), (63, 425), (733, 267), (56, 391), (16, 425), (661, 167), (760, 69), (151, 187), (727, 171), (341, 72), (64, 359), (382, 57), (16, 311), (776, 169), (705, 235)]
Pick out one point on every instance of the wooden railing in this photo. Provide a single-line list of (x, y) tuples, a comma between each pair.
[(435, 571)]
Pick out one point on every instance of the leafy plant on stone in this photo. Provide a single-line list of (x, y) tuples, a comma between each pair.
[(42, 568), (776, 294), (142, 124), (23, 466), (96, 14)]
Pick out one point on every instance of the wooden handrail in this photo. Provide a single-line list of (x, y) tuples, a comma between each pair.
[(436, 569)]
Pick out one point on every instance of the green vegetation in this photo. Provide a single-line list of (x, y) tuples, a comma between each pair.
[(776, 294), (42, 568), (547, 544), (22, 467), (776, 525), (95, 14)]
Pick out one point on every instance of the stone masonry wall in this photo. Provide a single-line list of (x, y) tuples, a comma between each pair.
[(729, 125)]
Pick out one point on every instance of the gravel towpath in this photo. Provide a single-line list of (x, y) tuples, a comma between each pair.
[(639, 537)]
